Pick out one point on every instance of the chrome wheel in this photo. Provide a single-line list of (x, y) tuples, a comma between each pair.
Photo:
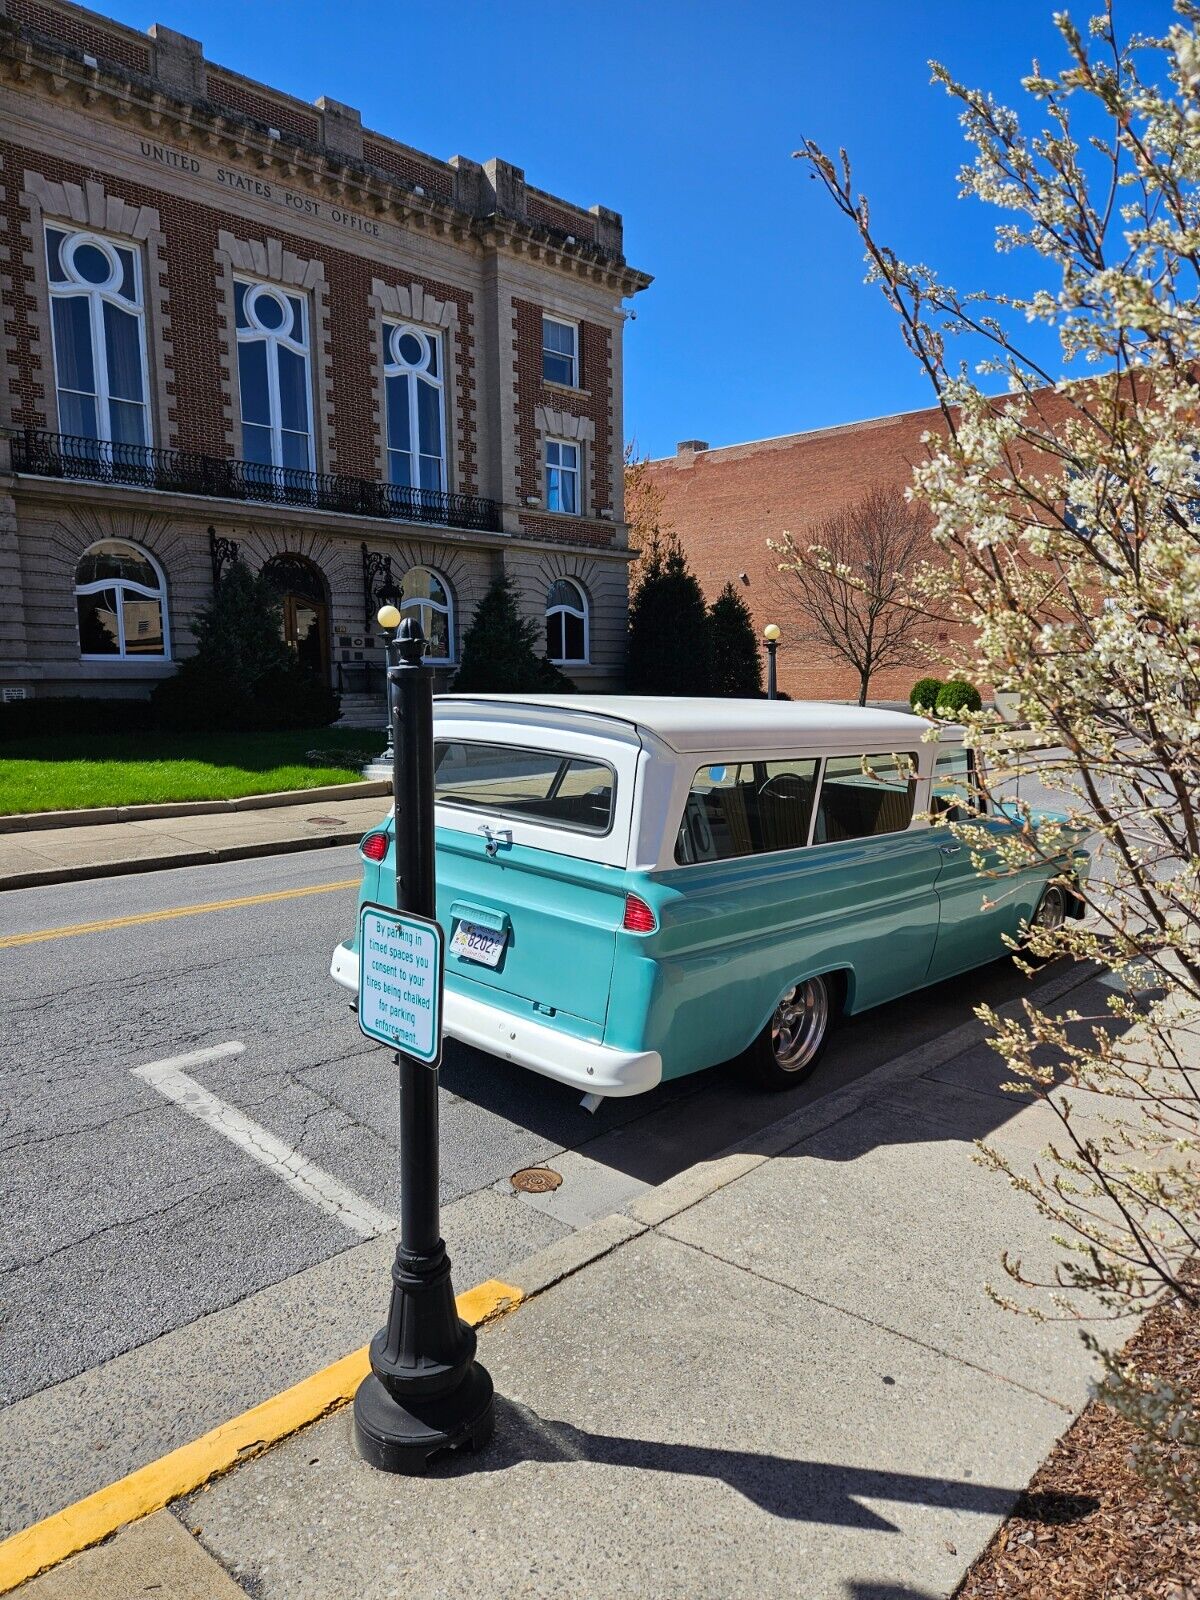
[(1051, 911), (799, 1025)]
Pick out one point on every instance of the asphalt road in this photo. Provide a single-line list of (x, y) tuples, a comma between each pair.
[(128, 1215)]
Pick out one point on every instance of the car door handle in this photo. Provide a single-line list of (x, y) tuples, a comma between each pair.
[(950, 849)]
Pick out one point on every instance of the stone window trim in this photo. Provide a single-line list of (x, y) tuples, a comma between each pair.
[(91, 208), (415, 305), (550, 423), (270, 261)]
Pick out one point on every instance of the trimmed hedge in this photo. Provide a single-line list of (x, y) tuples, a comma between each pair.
[(35, 719), (958, 695), (925, 693)]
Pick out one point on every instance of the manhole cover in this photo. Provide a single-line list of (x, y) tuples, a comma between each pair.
[(325, 822), (535, 1180)]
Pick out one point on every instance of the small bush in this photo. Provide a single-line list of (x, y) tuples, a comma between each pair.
[(242, 676), (958, 695), (500, 651), (925, 693)]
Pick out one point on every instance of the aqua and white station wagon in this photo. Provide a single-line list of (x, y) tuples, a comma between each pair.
[(636, 888)]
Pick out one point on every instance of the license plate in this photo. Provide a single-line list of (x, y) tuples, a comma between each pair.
[(474, 943)]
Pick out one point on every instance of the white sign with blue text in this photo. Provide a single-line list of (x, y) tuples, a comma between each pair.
[(400, 958)]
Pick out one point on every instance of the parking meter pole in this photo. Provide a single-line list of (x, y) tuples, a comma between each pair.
[(426, 1393)]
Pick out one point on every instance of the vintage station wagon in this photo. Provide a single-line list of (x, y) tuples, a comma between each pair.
[(635, 888)]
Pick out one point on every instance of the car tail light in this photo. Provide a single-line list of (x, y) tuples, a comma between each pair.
[(375, 846), (638, 916)]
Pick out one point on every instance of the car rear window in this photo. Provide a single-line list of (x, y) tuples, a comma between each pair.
[(541, 785), (865, 795)]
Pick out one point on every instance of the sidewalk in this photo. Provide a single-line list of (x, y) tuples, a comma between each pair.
[(777, 1373), (62, 854)]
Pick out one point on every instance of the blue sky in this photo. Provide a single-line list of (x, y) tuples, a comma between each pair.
[(683, 117)]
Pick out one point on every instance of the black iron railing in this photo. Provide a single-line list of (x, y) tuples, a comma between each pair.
[(63, 455)]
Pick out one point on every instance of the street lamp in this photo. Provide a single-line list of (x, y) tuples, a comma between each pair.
[(771, 635), (388, 618)]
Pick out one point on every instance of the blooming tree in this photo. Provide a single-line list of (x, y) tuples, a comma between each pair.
[(1066, 510)]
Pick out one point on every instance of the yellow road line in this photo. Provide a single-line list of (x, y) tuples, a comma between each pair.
[(10, 939), (155, 1485)]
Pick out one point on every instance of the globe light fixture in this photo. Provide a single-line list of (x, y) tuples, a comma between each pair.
[(389, 617)]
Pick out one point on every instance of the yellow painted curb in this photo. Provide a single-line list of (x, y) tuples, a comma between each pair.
[(155, 1485)]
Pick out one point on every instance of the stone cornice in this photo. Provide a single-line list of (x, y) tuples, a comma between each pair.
[(30, 60)]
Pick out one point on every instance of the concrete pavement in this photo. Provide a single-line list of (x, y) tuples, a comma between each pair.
[(64, 854), (776, 1370)]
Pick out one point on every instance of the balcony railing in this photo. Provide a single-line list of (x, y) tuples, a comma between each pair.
[(63, 455)]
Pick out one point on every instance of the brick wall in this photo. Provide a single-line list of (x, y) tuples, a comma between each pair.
[(593, 399), (194, 376), (83, 34), (433, 180), (725, 505), (552, 216), (224, 91)]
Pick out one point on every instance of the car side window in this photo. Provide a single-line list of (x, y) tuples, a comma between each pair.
[(865, 795), (745, 808), (955, 796)]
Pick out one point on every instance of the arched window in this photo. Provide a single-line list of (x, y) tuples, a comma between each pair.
[(99, 337), (566, 622), (424, 594), (416, 420), (121, 600), (272, 348)]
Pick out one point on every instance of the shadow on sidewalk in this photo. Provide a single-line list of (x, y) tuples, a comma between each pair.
[(782, 1486), (718, 1110)]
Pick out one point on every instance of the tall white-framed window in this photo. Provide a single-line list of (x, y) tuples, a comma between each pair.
[(566, 623), (560, 352), (416, 409), (121, 604), (273, 375), (562, 476), (99, 332), (426, 595)]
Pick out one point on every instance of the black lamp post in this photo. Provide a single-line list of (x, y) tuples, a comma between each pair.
[(771, 635), (426, 1393)]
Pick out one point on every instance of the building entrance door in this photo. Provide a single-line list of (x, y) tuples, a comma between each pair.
[(304, 605)]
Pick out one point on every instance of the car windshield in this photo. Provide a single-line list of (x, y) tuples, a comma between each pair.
[(540, 785)]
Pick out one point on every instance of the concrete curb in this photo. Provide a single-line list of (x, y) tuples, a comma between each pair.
[(34, 821), (183, 858)]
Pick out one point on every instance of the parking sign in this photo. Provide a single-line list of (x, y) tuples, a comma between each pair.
[(400, 960)]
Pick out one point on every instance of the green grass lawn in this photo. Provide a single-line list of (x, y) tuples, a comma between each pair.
[(77, 770)]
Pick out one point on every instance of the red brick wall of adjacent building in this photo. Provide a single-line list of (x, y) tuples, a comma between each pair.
[(726, 504), (194, 388)]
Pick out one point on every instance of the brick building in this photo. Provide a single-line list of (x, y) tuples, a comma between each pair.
[(725, 504), (240, 327)]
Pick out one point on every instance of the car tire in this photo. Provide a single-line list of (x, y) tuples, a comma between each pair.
[(1051, 910), (789, 1049)]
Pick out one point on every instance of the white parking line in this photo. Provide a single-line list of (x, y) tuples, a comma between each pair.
[(288, 1165)]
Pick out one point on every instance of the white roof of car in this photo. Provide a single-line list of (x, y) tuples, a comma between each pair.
[(693, 724)]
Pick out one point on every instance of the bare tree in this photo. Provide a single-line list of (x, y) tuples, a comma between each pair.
[(850, 586)]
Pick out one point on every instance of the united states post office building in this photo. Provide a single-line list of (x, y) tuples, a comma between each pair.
[(238, 327)]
